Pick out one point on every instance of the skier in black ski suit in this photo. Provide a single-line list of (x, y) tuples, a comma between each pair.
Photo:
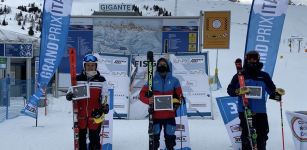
[(86, 115), (253, 76)]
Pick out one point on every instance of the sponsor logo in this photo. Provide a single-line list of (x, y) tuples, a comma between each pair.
[(156, 82), (169, 82), (197, 72), (192, 22), (119, 73), (119, 95), (119, 62), (106, 123), (136, 97), (106, 135), (105, 72), (178, 127), (198, 105), (105, 61), (179, 138), (112, 83), (189, 83), (180, 72), (119, 106), (235, 128), (143, 63), (181, 61), (198, 94), (197, 60), (299, 129), (237, 139)]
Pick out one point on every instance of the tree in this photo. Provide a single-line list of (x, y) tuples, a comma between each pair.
[(3, 22), (31, 32), (19, 22), (4, 9), (22, 27), (24, 22)]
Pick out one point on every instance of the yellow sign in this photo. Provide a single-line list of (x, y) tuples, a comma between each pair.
[(192, 47), (192, 37), (216, 24)]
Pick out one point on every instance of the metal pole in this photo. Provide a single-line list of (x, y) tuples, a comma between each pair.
[(28, 77), (45, 100), (200, 31), (7, 95), (8, 67), (56, 82)]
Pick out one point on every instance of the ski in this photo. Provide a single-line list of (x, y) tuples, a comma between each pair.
[(150, 94), (72, 63), (252, 136)]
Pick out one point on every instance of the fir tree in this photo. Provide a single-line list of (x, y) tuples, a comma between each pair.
[(31, 32)]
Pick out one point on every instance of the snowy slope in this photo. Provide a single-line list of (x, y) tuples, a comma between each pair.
[(290, 73)]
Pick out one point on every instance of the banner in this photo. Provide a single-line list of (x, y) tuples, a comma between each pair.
[(228, 108), (298, 123), (115, 69), (139, 77), (80, 37), (182, 135), (55, 24), (264, 30), (180, 35), (192, 72)]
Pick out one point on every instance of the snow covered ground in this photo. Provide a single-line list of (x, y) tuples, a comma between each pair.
[(55, 133)]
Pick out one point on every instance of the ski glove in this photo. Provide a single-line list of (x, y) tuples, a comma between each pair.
[(97, 113), (69, 96), (242, 90), (277, 94)]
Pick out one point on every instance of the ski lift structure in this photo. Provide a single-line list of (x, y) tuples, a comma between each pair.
[(295, 41)]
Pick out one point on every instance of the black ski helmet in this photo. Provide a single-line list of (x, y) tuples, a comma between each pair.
[(252, 55), (90, 59)]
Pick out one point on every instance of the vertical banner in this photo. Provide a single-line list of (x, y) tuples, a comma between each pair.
[(180, 35), (56, 17), (182, 134), (139, 110), (216, 29), (228, 108), (192, 72), (264, 30), (298, 123), (116, 69), (80, 37)]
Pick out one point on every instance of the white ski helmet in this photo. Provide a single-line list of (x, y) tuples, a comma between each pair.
[(90, 59)]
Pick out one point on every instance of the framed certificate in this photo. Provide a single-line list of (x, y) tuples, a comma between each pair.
[(163, 102), (81, 91), (254, 93)]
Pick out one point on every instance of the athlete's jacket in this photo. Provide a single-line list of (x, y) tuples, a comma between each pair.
[(261, 79), (98, 91), (169, 86)]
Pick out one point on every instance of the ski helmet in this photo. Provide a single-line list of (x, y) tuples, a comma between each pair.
[(90, 59), (252, 55)]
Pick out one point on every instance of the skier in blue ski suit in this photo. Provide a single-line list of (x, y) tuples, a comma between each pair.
[(253, 76)]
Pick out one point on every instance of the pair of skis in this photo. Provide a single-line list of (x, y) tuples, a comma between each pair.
[(150, 94), (252, 136), (72, 61)]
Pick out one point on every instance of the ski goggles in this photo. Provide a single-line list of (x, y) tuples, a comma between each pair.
[(252, 57), (90, 58)]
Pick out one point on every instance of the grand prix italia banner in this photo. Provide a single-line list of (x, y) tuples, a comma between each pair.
[(55, 24)]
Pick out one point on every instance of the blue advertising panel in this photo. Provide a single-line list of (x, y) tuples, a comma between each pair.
[(182, 38), (16, 50), (1, 50), (80, 37)]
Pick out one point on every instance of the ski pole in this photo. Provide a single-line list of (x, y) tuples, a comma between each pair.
[(282, 127), (180, 122)]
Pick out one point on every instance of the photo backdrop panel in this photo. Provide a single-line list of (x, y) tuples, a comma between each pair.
[(115, 69), (139, 110), (192, 72)]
